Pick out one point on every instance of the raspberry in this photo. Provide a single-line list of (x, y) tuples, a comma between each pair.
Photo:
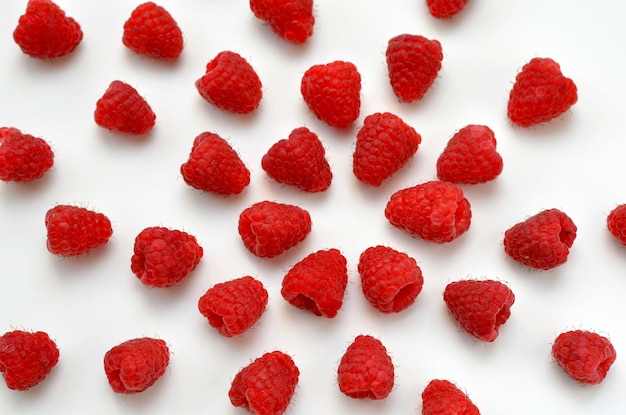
[(121, 109), (135, 365), (366, 369), (470, 157), (540, 93), (584, 355), (299, 161), (542, 241), (26, 358), (616, 223), (45, 32), (214, 166), (384, 144), (74, 230), (442, 397), (267, 228), (445, 9), (232, 307), (434, 211), (413, 63), (317, 283), (332, 92), (152, 31), (164, 257), (265, 386), (480, 307), (390, 280), (23, 158), (292, 20), (231, 84)]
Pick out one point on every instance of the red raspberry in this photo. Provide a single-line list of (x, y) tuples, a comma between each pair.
[(267, 228), (231, 83), (541, 241), (135, 365), (45, 32), (540, 93), (152, 31), (121, 109), (413, 63), (366, 369), (232, 307), (214, 166), (384, 144), (292, 20), (445, 9), (442, 397), (390, 280), (317, 283), (299, 161), (265, 386), (164, 257), (74, 230), (332, 92), (584, 355), (23, 157), (434, 211), (616, 223), (26, 358)]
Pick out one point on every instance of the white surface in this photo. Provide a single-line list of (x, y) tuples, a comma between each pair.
[(92, 303)]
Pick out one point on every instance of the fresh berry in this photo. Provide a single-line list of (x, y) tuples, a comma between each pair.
[(317, 283), (470, 157), (542, 241), (74, 230), (121, 109), (265, 386), (231, 83), (442, 397), (164, 257), (45, 32), (299, 161), (435, 211), (23, 158), (152, 31), (214, 166), (26, 358), (445, 9), (332, 92), (232, 307), (268, 228), (480, 307), (292, 20), (616, 223), (366, 369), (135, 365), (384, 144), (584, 355), (540, 93), (390, 280), (413, 63)]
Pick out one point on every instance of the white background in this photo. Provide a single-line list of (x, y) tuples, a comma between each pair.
[(92, 303)]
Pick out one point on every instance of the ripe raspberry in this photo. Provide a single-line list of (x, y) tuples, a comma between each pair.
[(292, 20), (540, 93), (121, 109), (366, 369), (214, 166), (616, 223), (541, 241), (470, 157), (135, 365), (231, 83), (584, 355), (442, 397), (434, 211), (265, 386), (74, 230), (299, 161), (267, 228), (232, 307), (332, 92), (445, 9), (164, 257), (317, 283), (390, 280), (45, 32), (413, 63), (26, 358), (152, 31), (23, 158), (384, 144)]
